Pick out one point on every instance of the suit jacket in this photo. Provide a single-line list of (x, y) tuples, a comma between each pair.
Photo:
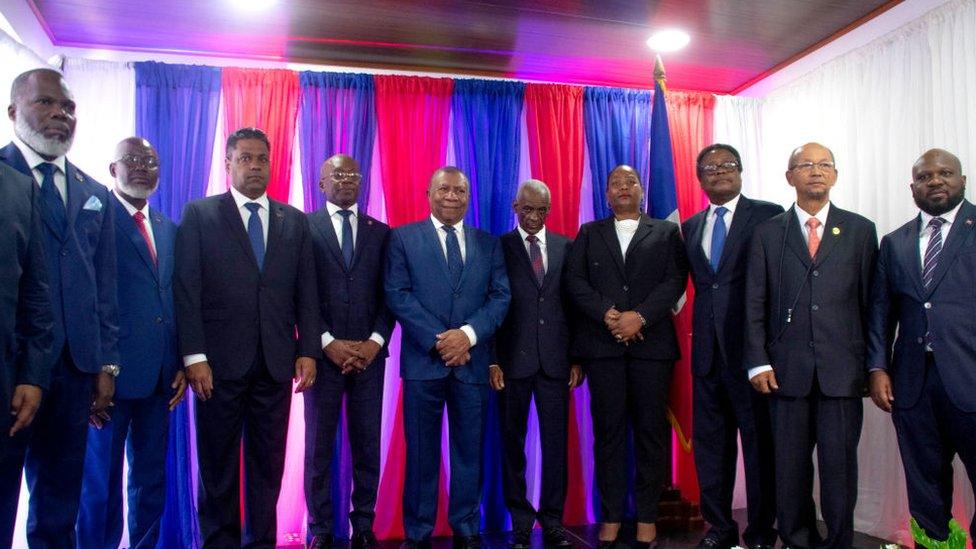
[(147, 324), (535, 333), (352, 304), (227, 308), (81, 269), (719, 305), (825, 333), (420, 294), (25, 301), (944, 310), (650, 282)]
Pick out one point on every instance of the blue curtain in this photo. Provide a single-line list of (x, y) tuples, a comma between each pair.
[(337, 114), (487, 140), (618, 131), (176, 110)]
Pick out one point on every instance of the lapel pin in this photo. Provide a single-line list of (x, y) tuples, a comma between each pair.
[(79, 177), (835, 231), (969, 221), (279, 214), (370, 222)]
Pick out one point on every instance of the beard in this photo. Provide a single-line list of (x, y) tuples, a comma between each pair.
[(45, 146), (936, 208), (136, 191)]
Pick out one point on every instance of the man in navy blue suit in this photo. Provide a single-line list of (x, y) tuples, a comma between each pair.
[(923, 291), (446, 284), (350, 248), (152, 381), (725, 406), (244, 286), (533, 359), (79, 244)]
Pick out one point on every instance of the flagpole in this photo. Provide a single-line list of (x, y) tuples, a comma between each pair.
[(659, 75)]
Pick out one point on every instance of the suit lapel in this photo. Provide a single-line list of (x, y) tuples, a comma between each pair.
[(434, 247), (643, 229), (276, 222), (323, 224), (833, 232), (470, 252), (162, 241), (228, 209), (13, 157), (740, 222), (555, 256), (77, 196), (128, 225), (364, 231), (609, 234), (908, 250), (696, 239), (794, 239), (960, 231)]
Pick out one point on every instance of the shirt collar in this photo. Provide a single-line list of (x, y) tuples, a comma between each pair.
[(132, 209), (334, 209), (730, 205), (459, 226), (803, 216), (33, 159), (949, 216), (541, 235), (240, 199)]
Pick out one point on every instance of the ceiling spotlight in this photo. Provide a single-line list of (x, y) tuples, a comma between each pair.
[(668, 40), (254, 5)]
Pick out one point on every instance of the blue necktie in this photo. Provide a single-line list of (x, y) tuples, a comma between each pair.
[(51, 197), (346, 237), (454, 262), (255, 233), (719, 232)]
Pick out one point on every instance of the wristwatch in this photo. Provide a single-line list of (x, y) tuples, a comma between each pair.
[(112, 369)]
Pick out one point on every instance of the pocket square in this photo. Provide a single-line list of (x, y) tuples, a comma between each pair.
[(93, 204)]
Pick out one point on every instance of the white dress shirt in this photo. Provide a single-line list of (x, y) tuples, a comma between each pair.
[(802, 216), (541, 235), (337, 222), (442, 237), (626, 229), (925, 233), (33, 160), (711, 218), (145, 211)]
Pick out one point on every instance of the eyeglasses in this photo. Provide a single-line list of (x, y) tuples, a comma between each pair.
[(808, 166), (150, 162), (338, 176), (715, 168)]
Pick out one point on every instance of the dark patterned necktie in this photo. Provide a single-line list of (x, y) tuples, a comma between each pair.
[(454, 261), (50, 196), (932, 251), (346, 237), (535, 256), (255, 233)]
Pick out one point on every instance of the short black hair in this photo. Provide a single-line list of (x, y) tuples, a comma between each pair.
[(448, 170), (246, 133), (717, 147)]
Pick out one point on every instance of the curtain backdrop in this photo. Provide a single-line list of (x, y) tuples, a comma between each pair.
[(15, 58)]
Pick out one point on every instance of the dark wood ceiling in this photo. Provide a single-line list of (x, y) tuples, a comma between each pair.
[(576, 41)]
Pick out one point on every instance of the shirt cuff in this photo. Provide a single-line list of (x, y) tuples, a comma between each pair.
[(469, 331), (753, 372), (190, 360), (327, 339), (877, 368), (378, 339)]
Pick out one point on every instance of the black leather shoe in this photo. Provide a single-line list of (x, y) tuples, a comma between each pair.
[(556, 536), (606, 544), (521, 539), (321, 542), (415, 544), (467, 542), (761, 546), (363, 540)]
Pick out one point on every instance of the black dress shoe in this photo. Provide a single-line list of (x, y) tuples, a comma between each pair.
[(761, 546), (521, 539), (415, 544), (606, 544), (363, 540), (710, 542), (467, 542), (556, 536), (321, 542)]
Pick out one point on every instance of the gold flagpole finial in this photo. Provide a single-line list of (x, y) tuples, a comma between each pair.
[(659, 76)]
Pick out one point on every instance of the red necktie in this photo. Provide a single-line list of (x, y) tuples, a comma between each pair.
[(141, 225), (813, 240)]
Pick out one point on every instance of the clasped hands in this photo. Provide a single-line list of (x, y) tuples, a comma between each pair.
[(351, 356), (625, 327), (453, 346)]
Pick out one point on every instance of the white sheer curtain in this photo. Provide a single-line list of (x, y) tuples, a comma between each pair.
[(878, 108), (15, 58)]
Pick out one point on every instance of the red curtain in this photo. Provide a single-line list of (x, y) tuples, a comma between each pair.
[(690, 116), (265, 99), (412, 116), (554, 117)]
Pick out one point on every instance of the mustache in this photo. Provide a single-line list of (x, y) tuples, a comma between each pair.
[(46, 146)]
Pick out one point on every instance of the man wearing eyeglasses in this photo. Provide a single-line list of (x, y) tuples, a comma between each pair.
[(350, 248), (725, 406), (151, 383), (807, 294)]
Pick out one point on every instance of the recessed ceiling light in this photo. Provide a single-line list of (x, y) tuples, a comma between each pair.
[(254, 5), (668, 40)]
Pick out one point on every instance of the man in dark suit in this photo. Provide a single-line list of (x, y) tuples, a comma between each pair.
[(152, 380), (533, 359), (350, 248), (25, 325), (446, 284), (807, 292), (245, 282), (923, 290), (725, 406), (624, 275), (79, 244)]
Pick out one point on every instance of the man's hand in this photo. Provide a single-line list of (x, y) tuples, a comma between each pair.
[(764, 382), (344, 353), (880, 385), (304, 373), (102, 394), (628, 327), (201, 379), (610, 318), (453, 346), (367, 350), (23, 406), (576, 376), (179, 389), (496, 377)]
